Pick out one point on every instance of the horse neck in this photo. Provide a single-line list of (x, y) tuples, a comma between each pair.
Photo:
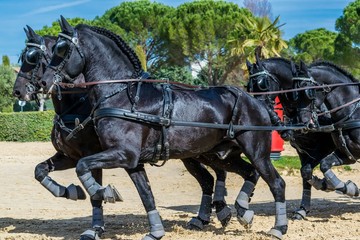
[(339, 96), (108, 63)]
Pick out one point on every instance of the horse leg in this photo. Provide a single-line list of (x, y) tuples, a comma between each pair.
[(223, 211), (104, 160), (332, 181), (277, 188), (260, 159), (139, 177), (206, 182), (309, 180), (247, 171), (114, 159), (98, 224), (55, 163), (306, 174), (234, 163)]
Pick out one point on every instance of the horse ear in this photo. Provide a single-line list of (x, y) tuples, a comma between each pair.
[(257, 54), (26, 32), (303, 66), (30, 33), (293, 67), (65, 26), (248, 64)]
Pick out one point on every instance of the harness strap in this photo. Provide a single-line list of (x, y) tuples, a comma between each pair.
[(231, 132), (344, 146), (158, 120), (347, 126), (162, 150)]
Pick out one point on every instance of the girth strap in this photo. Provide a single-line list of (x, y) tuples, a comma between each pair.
[(162, 149), (347, 126)]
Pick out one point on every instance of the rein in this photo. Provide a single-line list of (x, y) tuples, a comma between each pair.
[(340, 107), (82, 85)]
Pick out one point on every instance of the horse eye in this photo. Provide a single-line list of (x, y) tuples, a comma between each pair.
[(263, 84), (61, 48), (32, 56)]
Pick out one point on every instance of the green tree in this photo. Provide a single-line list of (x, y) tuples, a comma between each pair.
[(313, 45), (260, 33), (177, 74), (54, 29), (5, 60), (200, 30), (347, 44), (141, 22), (7, 80), (348, 24)]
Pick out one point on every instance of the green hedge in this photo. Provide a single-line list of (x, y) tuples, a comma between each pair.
[(26, 126)]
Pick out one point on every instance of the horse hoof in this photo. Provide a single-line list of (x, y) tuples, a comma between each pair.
[(90, 235), (111, 194), (299, 214), (196, 224), (150, 237), (246, 219), (275, 233), (75, 192), (351, 189), (224, 216)]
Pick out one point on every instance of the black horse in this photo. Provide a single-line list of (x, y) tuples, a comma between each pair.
[(342, 105), (71, 108), (276, 74), (138, 121), (74, 105)]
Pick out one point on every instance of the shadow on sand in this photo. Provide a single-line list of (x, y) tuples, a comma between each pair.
[(128, 224)]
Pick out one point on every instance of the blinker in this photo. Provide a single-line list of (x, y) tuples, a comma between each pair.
[(32, 56), (263, 84), (61, 48)]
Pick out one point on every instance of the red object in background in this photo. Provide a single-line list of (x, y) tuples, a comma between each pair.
[(277, 143)]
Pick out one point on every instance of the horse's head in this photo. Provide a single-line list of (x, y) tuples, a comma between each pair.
[(67, 60), (96, 52), (299, 104), (34, 59), (261, 82), (275, 74)]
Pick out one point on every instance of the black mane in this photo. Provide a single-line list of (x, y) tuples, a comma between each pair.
[(125, 48), (332, 65), (280, 59), (277, 59)]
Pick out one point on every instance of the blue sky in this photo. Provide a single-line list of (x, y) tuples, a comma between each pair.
[(298, 16)]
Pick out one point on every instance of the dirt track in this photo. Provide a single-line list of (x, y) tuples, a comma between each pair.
[(28, 211)]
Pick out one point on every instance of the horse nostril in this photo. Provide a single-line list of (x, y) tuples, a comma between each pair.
[(43, 83), (16, 93)]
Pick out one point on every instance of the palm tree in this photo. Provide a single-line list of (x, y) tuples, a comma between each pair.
[(257, 33)]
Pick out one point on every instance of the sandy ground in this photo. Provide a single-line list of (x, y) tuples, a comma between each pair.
[(28, 211)]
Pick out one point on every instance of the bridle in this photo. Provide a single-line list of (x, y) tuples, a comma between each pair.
[(59, 67), (33, 50), (261, 82)]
